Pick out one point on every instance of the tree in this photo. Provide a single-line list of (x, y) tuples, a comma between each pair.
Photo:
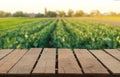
[(51, 14), (39, 15), (79, 13), (20, 14), (4, 14), (61, 13), (118, 14), (113, 13), (95, 13), (7, 14), (70, 13), (45, 12)]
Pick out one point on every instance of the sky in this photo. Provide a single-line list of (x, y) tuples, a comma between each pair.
[(35, 6)]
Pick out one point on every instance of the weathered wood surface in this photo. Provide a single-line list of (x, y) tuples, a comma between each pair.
[(114, 52), (25, 65), (90, 64), (46, 63), (4, 52), (9, 61), (51, 62), (108, 61), (67, 63)]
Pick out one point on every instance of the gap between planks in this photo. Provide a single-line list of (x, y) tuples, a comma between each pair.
[(66, 52)]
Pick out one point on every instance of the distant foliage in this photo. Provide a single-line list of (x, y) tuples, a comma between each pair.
[(51, 14), (70, 13), (79, 13), (61, 13), (39, 15), (19, 14), (95, 13), (58, 13), (4, 14)]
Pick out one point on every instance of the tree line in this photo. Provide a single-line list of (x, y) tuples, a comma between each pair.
[(69, 13)]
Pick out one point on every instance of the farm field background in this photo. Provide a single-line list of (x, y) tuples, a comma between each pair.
[(106, 18), (11, 22), (114, 20), (59, 33)]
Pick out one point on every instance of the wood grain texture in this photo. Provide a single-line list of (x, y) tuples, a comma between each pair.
[(67, 63), (89, 63), (25, 65), (111, 63), (46, 63), (5, 52), (119, 49), (10, 60), (114, 52)]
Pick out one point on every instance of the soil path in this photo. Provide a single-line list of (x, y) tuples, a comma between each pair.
[(113, 22), (109, 22)]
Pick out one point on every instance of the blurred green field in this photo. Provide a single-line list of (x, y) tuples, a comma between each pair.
[(11, 22), (6, 23), (58, 33)]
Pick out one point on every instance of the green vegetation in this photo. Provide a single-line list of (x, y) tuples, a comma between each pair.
[(93, 35), (6, 23), (59, 33)]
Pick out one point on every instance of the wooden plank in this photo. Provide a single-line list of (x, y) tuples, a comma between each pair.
[(25, 65), (90, 64), (119, 49), (114, 52), (10, 60), (46, 63), (111, 63), (4, 52), (67, 63)]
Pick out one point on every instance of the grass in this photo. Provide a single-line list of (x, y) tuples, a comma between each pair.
[(12, 22)]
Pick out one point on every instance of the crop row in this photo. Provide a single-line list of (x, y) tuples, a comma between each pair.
[(93, 35), (61, 33), (20, 37)]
